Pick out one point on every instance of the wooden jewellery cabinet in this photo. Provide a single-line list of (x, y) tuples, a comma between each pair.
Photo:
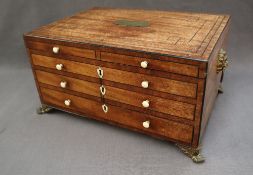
[(153, 72)]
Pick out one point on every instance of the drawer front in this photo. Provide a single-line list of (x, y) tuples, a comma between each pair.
[(135, 79), (65, 82), (155, 83), (132, 119), (166, 106), (67, 66), (178, 68), (171, 107), (61, 50)]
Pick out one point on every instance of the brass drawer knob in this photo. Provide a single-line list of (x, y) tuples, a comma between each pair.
[(102, 90), (105, 108), (67, 102), (146, 124), (59, 66), (145, 104), (100, 72), (63, 84), (144, 84), (56, 50), (144, 64)]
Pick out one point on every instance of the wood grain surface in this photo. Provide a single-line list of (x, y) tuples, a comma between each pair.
[(163, 105), (212, 81), (191, 35), (180, 48), (153, 64), (164, 128), (63, 50), (134, 79), (85, 87), (166, 106)]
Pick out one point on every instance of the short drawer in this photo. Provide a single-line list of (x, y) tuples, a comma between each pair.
[(65, 65), (65, 82), (135, 79), (61, 50), (146, 63), (130, 119)]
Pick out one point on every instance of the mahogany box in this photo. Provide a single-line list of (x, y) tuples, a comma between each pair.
[(154, 72)]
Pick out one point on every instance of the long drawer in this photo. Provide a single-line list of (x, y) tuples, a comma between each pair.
[(131, 119), (166, 106), (135, 79)]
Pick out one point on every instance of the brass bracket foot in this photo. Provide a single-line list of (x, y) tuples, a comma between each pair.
[(193, 153), (220, 90), (44, 109)]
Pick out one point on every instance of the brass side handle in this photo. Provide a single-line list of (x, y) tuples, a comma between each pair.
[(222, 61), (59, 66), (67, 102), (56, 50), (146, 124)]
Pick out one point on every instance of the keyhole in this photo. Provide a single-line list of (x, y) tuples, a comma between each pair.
[(102, 90), (105, 108), (100, 72)]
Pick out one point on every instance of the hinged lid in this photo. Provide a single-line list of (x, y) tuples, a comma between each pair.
[(188, 35)]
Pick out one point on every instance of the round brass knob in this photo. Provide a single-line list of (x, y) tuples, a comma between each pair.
[(144, 64), (63, 84), (59, 66), (145, 104), (56, 49), (144, 84), (146, 124), (67, 102)]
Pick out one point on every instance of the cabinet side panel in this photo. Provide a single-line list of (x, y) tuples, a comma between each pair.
[(33, 70), (198, 111), (212, 81)]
